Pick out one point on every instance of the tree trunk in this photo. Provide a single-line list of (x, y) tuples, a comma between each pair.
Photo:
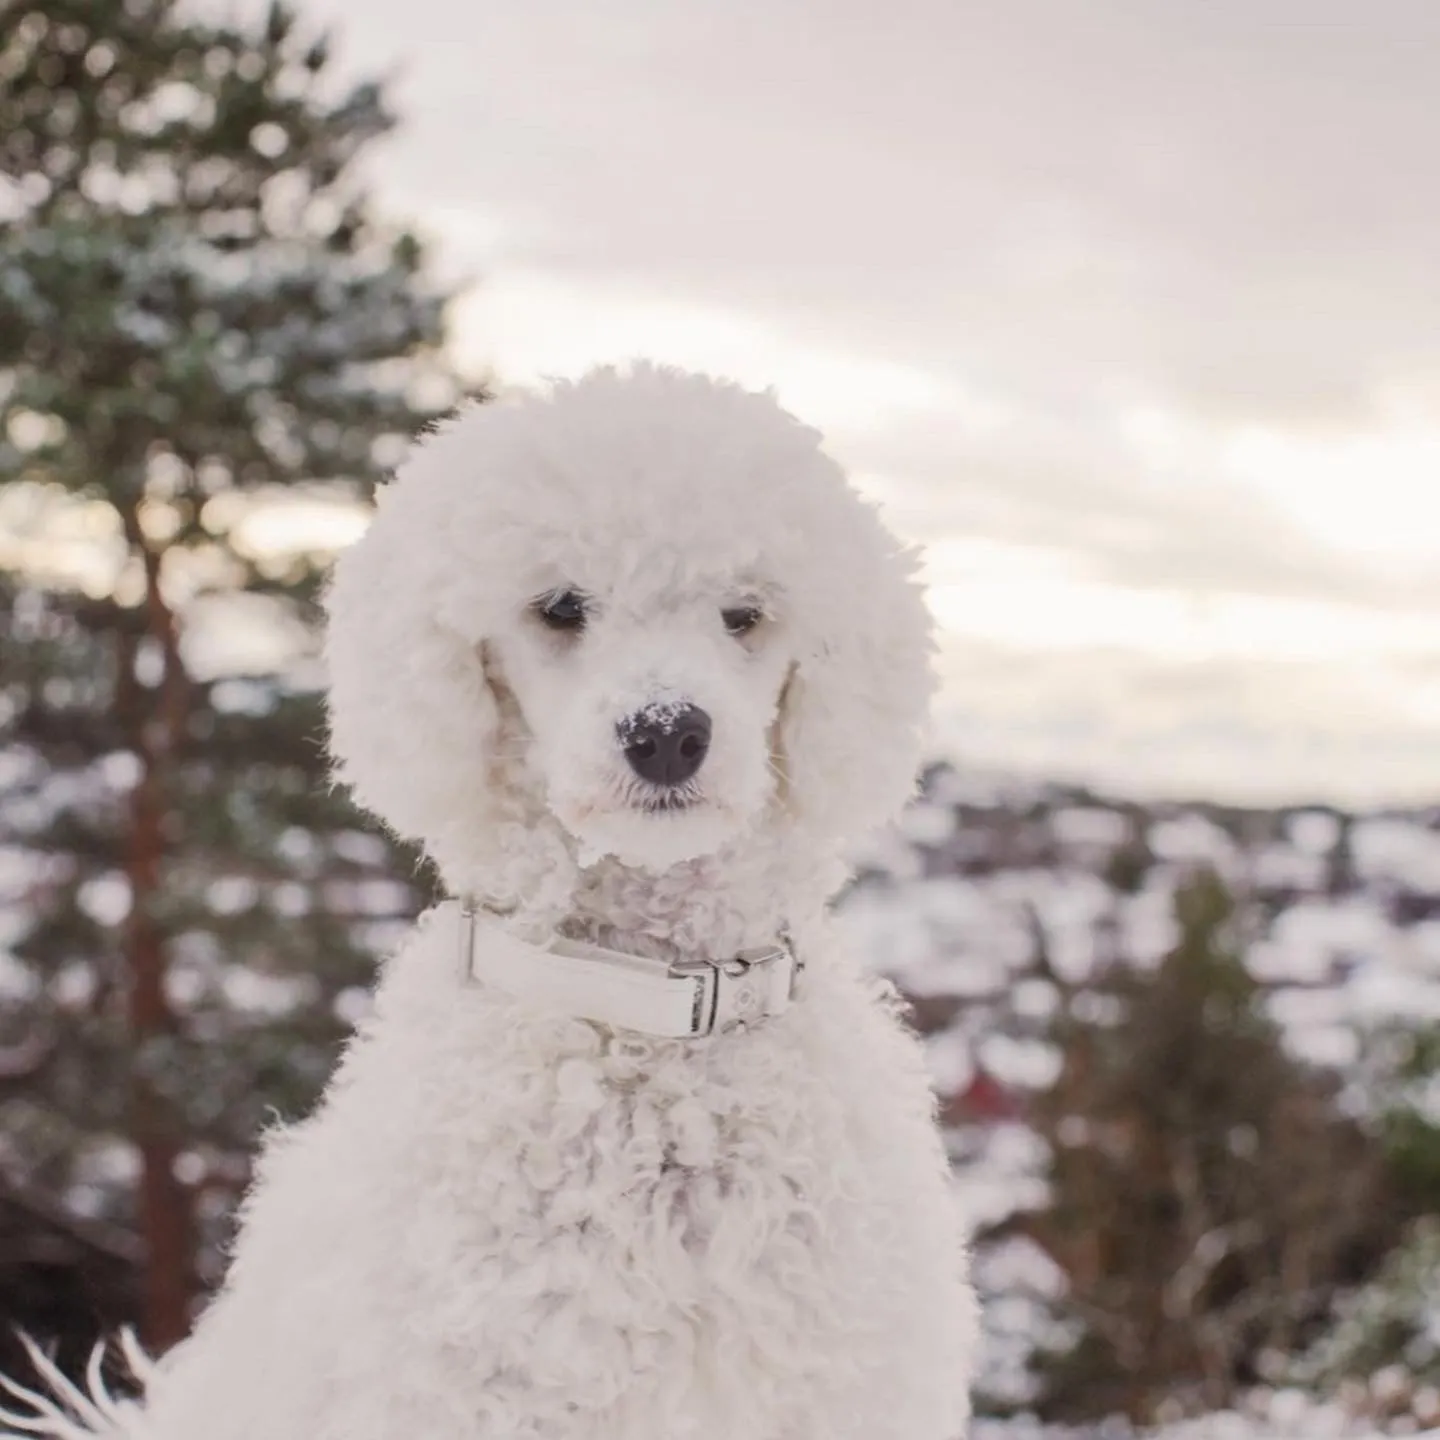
[(164, 1202), (164, 1210)]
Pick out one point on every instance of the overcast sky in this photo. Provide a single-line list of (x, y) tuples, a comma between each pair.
[(1130, 311)]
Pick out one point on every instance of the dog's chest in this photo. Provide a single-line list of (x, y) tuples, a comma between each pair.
[(649, 1165), (621, 1197), (543, 1234)]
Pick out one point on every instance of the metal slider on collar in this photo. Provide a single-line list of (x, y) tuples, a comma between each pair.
[(737, 991), (686, 999)]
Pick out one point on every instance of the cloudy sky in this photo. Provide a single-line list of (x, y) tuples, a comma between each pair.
[(1130, 310)]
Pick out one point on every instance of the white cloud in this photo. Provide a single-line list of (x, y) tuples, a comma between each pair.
[(1357, 732), (1373, 490), (527, 326)]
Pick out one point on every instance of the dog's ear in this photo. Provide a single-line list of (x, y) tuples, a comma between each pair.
[(853, 721), (413, 719)]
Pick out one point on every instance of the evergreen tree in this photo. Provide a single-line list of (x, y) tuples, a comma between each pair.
[(1207, 1194), (205, 331)]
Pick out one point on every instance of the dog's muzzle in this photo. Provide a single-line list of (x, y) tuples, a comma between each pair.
[(684, 1000)]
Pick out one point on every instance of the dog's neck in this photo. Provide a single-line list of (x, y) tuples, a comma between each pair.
[(744, 896), (712, 906)]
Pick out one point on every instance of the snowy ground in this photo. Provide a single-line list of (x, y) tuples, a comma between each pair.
[(1302, 1422)]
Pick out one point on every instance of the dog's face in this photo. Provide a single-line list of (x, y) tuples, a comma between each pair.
[(648, 704), (648, 597)]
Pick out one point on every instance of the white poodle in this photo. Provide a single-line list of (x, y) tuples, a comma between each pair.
[(631, 1147)]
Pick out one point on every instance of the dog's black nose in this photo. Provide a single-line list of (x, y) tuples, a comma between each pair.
[(666, 745)]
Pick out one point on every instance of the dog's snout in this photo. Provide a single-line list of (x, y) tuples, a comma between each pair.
[(666, 746)]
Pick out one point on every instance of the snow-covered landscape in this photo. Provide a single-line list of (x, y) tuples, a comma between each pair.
[(1340, 919)]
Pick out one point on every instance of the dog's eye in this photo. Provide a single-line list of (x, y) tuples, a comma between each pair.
[(742, 619), (562, 609)]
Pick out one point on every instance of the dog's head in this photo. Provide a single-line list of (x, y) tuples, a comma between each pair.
[(649, 599)]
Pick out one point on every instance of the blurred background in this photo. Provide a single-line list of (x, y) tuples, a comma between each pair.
[(1129, 312)]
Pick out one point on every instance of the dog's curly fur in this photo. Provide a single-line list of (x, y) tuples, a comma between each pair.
[(509, 1223)]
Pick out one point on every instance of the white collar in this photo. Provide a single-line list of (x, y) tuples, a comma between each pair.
[(680, 1000)]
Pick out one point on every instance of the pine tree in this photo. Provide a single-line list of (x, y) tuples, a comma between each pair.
[(1207, 1194), (205, 329)]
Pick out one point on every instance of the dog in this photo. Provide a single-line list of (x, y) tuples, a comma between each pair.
[(631, 1146)]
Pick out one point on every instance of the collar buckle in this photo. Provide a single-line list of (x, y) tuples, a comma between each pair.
[(739, 989)]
